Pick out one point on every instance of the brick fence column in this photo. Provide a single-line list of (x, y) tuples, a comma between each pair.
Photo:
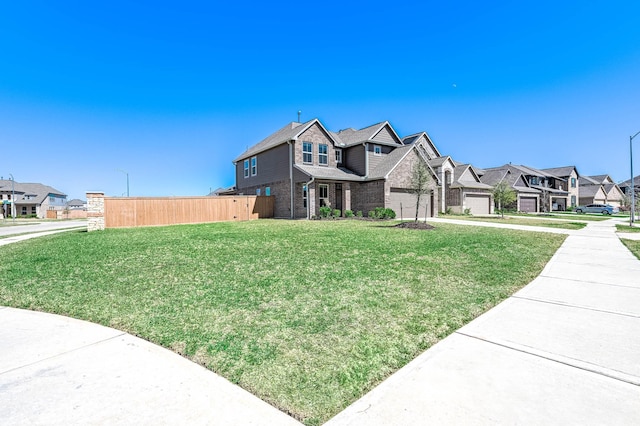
[(95, 211)]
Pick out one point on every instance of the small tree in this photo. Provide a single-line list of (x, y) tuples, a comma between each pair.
[(503, 195), (420, 179)]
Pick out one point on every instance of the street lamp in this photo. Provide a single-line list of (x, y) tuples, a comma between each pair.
[(13, 199), (633, 188), (126, 173)]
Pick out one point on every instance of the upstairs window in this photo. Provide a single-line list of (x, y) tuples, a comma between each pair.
[(254, 166), (534, 180), (338, 155), (307, 152), (246, 168), (323, 156), (573, 182), (377, 150)]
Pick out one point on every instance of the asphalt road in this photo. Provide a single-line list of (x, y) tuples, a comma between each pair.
[(23, 227)]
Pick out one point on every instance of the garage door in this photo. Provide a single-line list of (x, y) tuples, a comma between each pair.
[(404, 204), (478, 204), (529, 204)]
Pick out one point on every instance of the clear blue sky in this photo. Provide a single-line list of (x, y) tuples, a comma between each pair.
[(173, 92)]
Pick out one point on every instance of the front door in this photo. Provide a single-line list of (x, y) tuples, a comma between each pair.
[(339, 197)]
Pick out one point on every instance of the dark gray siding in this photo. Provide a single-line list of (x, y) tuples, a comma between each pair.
[(385, 135), (273, 166), (374, 160), (354, 159)]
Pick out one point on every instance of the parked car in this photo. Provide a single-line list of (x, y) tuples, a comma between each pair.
[(597, 208)]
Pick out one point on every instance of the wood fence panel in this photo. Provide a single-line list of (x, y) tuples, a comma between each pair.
[(156, 211)]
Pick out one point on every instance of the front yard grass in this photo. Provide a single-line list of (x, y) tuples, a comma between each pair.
[(620, 227), (633, 246), (307, 315), (514, 220)]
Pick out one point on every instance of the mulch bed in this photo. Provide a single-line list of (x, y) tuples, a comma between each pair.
[(415, 225)]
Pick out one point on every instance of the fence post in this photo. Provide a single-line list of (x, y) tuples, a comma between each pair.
[(95, 211)]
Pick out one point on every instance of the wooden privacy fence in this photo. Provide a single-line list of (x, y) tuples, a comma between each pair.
[(153, 211)]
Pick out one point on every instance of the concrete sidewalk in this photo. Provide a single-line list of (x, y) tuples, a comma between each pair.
[(61, 371), (563, 350)]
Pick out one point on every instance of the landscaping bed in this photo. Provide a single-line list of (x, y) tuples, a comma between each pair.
[(307, 315)]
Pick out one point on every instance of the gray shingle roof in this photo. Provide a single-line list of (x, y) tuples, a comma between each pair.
[(601, 178), (458, 171), (389, 162), (287, 133), (37, 191), (561, 171), (586, 180), (589, 190), (322, 172)]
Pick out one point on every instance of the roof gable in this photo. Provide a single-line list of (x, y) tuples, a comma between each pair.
[(562, 171), (381, 133), (425, 140), (287, 133)]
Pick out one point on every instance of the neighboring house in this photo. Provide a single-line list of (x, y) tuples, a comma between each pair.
[(626, 186), (223, 191), (541, 191), (77, 204), (31, 199), (527, 198), (571, 176), (304, 167), (600, 189), (459, 187)]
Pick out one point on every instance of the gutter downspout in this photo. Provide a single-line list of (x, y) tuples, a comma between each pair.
[(366, 159), (309, 197), (291, 215)]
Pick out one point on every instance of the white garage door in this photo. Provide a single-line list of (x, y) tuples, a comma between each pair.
[(404, 204), (478, 204), (528, 204)]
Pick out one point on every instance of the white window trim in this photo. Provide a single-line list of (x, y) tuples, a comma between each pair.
[(325, 155), (246, 168), (305, 196), (254, 166), (377, 148), (310, 153), (320, 197), (338, 155)]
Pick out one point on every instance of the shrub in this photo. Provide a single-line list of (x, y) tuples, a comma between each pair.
[(467, 212), (372, 214), (348, 213), (337, 213), (379, 212), (449, 210), (389, 214), (359, 213), (325, 212)]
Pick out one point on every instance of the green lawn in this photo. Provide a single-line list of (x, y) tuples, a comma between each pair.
[(514, 220), (627, 228), (633, 245), (308, 315)]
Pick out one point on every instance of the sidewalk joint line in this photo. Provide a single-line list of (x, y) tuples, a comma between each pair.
[(587, 308), (62, 353), (586, 282), (559, 361)]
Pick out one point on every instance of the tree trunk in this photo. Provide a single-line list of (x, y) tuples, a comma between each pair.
[(417, 206)]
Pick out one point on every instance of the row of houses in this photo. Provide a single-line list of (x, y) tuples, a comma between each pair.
[(33, 199), (305, 166)]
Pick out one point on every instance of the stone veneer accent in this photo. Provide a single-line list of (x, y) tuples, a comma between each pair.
[(95, 211)]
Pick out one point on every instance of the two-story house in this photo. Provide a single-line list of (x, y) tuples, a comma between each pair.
[(541, 191), (600, 189), (304, 167), (570, 175), (30, 199)]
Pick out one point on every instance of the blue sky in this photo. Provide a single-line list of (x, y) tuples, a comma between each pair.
[(173, 92)]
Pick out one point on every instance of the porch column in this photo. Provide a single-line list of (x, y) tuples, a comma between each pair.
[(347, 196)]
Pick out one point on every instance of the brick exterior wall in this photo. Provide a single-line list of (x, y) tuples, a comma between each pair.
[(316, 136), (280, 192), (400, 177), (366, 196)]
